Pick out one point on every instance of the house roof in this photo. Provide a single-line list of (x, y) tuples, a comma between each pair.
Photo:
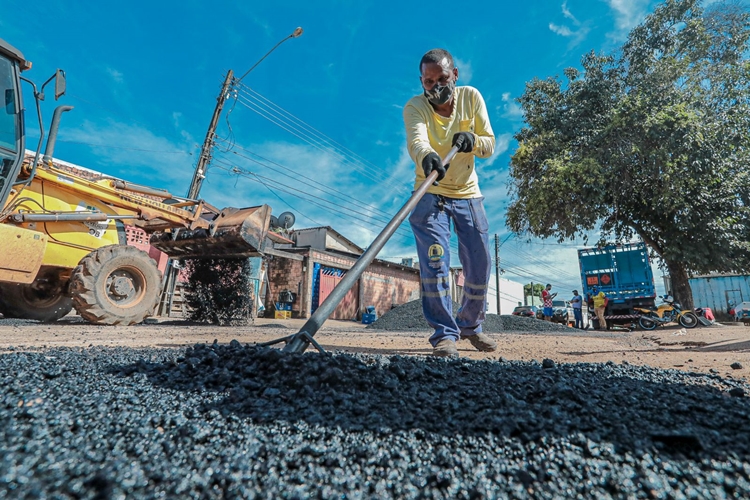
[(380, 262), (340, 237)]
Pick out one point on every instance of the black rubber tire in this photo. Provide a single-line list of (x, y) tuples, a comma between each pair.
[(688, 319), (95, 281), (32, 301), (646, 323)]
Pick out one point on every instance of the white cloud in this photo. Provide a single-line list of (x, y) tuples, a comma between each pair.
[(566, 12), (628, 13), (577, 34), (360, 208), (464, 71), (116, 75), (510, 109), (561, 30), (177, 121), (502, 143), (126, 150)]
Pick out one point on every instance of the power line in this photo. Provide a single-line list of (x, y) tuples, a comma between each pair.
[(318, 140), (294, 118), (540, 263), (323, 187), (222, 164), (300, 193), (290, 190)]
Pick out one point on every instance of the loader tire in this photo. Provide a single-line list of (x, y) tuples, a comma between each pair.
[(37, 301), (116, 285)]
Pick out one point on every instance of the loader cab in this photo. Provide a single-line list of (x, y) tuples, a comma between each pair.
[(12, 144)]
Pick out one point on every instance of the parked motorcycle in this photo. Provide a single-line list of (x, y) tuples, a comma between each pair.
[(667, 312)]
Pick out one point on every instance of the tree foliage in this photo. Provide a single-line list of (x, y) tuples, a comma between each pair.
[(651, 141), (537, 292)]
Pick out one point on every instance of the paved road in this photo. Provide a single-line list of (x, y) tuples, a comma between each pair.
[(704, 349)]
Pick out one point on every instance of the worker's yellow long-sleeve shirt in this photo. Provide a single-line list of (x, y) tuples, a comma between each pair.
[(427, 132)]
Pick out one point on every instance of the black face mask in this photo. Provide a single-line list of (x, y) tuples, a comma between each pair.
[(440, 94)]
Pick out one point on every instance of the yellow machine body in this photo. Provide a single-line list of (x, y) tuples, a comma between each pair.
[(16, 242), (68, 241), (65, 216)]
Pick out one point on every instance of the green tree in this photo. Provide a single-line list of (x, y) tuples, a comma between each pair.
[(538, 287), (651, 141)]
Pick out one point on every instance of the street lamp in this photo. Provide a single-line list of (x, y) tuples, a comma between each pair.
[(294, 34)]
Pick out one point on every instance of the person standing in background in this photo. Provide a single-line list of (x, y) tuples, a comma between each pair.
[(600, 305), (577, 303), (547, 297)]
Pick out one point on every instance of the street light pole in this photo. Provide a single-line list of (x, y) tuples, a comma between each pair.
[(170, 274), (294, 34), (208, 143)]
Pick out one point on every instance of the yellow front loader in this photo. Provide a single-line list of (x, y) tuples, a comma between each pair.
[(62, 229)]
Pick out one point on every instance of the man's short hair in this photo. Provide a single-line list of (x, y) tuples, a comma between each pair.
[(575, 292), (548, 285), (436, 56)]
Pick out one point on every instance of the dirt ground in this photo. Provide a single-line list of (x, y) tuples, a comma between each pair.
[(704, 349)]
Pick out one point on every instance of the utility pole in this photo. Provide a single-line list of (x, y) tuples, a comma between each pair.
[(208, 142), (170, 273), (497, 271), (532, 293)]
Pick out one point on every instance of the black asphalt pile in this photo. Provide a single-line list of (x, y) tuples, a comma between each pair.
[(519, 324), (409, 316), (235, 421)]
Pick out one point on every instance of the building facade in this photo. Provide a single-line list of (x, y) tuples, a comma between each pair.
[(316, 263)]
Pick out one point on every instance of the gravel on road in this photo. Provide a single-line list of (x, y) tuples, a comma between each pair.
[(234, 421), (409, 316)]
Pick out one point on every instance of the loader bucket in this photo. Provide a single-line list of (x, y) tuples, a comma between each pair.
[(235, 232)]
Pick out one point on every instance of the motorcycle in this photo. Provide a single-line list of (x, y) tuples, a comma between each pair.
[(667, 312)]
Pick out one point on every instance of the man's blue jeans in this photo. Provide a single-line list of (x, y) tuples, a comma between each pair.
[(578, 314), (430, 220)]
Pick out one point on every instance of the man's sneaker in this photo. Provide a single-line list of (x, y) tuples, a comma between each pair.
[(482, 342), (446, 348)]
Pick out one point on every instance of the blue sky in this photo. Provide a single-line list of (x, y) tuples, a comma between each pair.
[(318, 123)]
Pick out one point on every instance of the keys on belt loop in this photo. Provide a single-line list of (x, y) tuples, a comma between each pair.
[(441, 203)]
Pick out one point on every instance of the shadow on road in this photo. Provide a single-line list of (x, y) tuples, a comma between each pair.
[(636, 409)]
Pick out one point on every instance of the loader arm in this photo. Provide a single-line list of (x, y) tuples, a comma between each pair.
[(146, 212), (67, 200)]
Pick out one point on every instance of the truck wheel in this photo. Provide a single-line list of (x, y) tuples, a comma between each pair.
[(689, 320), (116, 285), (43, 300)]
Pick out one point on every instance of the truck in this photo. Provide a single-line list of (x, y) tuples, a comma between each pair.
[(62, 234), (623, 272)]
